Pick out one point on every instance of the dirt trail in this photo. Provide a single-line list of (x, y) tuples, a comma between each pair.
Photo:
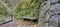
[(19, 24), (27, 24)]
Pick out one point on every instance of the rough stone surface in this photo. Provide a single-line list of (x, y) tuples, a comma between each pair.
[(53, 1), (43, 15), (54, 20), (56, 8), (50, 15)]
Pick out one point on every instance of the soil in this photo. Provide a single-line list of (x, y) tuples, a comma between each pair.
[(20, 23)]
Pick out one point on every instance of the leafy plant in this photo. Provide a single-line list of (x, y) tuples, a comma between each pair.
[(27, 8)]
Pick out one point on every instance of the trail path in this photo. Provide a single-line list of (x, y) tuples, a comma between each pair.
[(19, 24)]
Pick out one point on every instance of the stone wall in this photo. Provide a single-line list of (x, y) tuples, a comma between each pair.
[(50, 14)]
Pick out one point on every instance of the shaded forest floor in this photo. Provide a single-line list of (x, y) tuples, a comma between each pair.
[(20, 23)]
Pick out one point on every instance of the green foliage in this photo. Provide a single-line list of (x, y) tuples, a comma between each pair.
[(3, 11), (27, 8)]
